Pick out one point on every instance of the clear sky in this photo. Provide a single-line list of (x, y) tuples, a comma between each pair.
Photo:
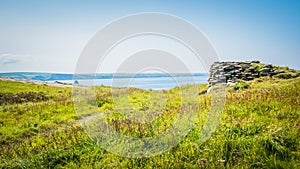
[(48, 36)]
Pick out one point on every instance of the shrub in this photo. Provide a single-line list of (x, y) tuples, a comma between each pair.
[(103, 101), (22, 97)]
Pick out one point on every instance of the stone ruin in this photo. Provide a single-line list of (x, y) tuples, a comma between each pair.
[(232, 72)]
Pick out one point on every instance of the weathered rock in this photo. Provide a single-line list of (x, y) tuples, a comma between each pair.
[(264, 74), (250, 78), (255, 61), (248, 74), (232, 72), (237, 66), (267, 69), (256, 75), (268, 66), (278, 71)]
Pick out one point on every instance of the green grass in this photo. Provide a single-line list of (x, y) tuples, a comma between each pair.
[(260, 127)]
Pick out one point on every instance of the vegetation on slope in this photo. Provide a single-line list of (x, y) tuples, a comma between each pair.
[(260, 128)]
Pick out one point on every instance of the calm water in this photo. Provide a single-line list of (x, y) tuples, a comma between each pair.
[(143, 81), (155, 83)]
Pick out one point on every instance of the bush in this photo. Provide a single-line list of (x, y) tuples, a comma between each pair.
[(22, 97), (103, 101)]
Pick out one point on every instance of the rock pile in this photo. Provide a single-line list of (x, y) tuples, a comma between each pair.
[(231, 72)]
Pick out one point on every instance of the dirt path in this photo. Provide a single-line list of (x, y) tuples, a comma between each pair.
[(88, 118)]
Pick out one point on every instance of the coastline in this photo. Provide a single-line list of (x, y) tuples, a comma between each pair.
[(55, 84), (143, 81)]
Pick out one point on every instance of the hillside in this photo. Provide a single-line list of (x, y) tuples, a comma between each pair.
[(260, 127)]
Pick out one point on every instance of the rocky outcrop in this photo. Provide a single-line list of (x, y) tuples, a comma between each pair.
[(232, 72)]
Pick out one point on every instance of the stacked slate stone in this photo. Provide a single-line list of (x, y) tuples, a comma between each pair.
[(232, 72), (217, 73)]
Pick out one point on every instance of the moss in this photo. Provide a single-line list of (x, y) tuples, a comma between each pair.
[(257, 66), (288, 75), (241, 85)]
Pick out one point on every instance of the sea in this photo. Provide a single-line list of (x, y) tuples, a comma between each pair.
[(154, 81)]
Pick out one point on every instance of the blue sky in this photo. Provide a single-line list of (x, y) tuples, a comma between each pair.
[(48, 36)]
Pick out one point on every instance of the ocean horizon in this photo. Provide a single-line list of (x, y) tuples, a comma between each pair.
[(155, 81)]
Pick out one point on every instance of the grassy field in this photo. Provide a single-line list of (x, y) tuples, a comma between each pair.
[(260, 127)]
